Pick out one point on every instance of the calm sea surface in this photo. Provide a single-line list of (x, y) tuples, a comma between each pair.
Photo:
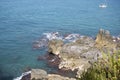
[(24, 21)]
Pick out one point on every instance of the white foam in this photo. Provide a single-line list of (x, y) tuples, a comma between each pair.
[(23, 74), (43, 41), (72, 37), (56, 35), (52, 35)]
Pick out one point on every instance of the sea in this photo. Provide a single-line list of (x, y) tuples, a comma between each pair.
[(22, 22)]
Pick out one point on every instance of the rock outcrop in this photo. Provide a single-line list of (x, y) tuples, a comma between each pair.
[(79, 55), (55, 46), (76, 49), (105, 41), (39, 74)]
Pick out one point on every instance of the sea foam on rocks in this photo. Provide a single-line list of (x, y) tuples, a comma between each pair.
[(23, 74), (46, 37)]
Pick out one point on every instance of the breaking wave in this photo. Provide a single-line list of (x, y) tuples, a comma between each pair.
[(23, 74), (43, 41)]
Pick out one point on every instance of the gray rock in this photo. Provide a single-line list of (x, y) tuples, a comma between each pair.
[(92, 54), (74, 50), (58, 77), (38, 74)]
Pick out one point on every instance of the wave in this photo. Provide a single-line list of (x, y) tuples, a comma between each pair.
[(23, 74), (58, 36), (43, 41)]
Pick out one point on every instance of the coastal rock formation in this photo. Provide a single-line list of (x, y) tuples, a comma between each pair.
[(81, 53), (74, 57), (55, 46), (105, 41)]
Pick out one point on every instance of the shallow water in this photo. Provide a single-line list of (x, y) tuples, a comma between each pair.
[(24, 21)]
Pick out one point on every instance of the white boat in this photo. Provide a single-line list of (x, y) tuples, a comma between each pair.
[(102, 5)]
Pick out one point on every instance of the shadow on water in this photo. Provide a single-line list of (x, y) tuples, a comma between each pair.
[(3, 77)]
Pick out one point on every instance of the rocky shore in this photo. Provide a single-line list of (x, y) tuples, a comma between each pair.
[(76, 56)]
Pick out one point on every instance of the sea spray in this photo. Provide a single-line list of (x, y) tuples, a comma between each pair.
[(23, 74), (43, 41)]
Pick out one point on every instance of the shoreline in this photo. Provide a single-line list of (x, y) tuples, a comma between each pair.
[(74, 52)]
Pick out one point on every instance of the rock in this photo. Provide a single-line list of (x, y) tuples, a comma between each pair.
[(78, 54), (38, 74), (26, 77), (58, 77), (55, 46), (92, 54), (105, 41), (80, 64), (74, 50)]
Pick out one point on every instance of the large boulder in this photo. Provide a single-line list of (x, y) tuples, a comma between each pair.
[(38, 74), (55, 46)]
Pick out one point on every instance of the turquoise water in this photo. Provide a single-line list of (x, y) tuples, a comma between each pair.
[(24, 21)]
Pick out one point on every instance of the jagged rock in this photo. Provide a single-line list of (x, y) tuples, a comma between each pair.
[(76, 55), (105, 41), (58, 77), (74, 50), (73, 63), (38, 74), (80, 64), (54, 46), (92, 54)]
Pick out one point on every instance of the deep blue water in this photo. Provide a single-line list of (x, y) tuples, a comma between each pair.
[(24, 21)]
